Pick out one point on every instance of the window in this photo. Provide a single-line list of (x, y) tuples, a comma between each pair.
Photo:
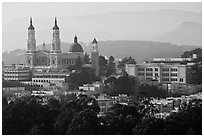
[(149, 69), (141, 74), (149, 74), (173, 69), (156, 74), (103, 109), (156, 69), (165, 74), (174, 74), (181, 79), (173, 79), (165, 69), (141, 69), (165, 79)]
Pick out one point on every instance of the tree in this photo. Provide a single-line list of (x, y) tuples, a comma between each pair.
[(145, 90), (24, 115), (126, 60), (149, 126), (84, 76), (85, 122), (86, 59), (121, 119), (195, 74), (102, 65), (189, 54), (78, 63), (70, 109), (111, 66)]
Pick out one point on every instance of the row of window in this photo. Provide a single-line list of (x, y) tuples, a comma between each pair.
[(15, 76), (16, 72), (42, 81), (148, 69), (156, 69), (47, 76), (156, 74), (172, 79), (147, 74)]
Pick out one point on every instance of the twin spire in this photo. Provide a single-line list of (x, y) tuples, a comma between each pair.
[(32, 28)]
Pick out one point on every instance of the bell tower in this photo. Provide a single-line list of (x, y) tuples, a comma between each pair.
[(55, 48), (31, 45), (31, 42), (95, 57)]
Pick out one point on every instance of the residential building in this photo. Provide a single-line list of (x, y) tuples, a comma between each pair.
[(104, 103)]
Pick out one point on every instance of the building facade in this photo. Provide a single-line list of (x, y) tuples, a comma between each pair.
[(163, 73), (53, 58), (50, 79), (16, 72)]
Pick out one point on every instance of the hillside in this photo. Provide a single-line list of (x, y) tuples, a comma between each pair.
[(189, 33), (140, 50)]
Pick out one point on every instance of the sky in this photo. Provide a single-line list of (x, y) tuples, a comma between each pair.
[(13, 10), (71, 20)]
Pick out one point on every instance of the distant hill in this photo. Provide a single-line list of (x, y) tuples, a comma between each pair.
[(187, 33), (140, 50)]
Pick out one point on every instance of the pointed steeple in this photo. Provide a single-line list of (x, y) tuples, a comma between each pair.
[(55, 26), (75, 39), (31, 25), (94, 41)]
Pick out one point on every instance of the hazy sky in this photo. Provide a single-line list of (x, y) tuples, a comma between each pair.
[(13, 10)]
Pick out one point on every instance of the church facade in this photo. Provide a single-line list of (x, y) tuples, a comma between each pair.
[(55, 58)]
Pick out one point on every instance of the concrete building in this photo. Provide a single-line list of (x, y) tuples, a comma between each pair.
[(91, 89), (17, 72), (164, 73), (51, 79)]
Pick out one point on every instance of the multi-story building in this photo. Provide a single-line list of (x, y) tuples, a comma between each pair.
[(50, 79), (16, 72), (165, 73), (91, 89)]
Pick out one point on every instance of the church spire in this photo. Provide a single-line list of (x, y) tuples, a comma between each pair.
[(31, 25), (55, 26)]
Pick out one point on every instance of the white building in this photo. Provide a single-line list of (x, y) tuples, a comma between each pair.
[(50, 79), (16, 72), (164, 73), (91, 89)]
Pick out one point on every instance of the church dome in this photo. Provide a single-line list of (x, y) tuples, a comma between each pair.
[(75, 47)]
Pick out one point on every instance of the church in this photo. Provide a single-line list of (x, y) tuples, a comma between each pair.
[(55, 58)]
